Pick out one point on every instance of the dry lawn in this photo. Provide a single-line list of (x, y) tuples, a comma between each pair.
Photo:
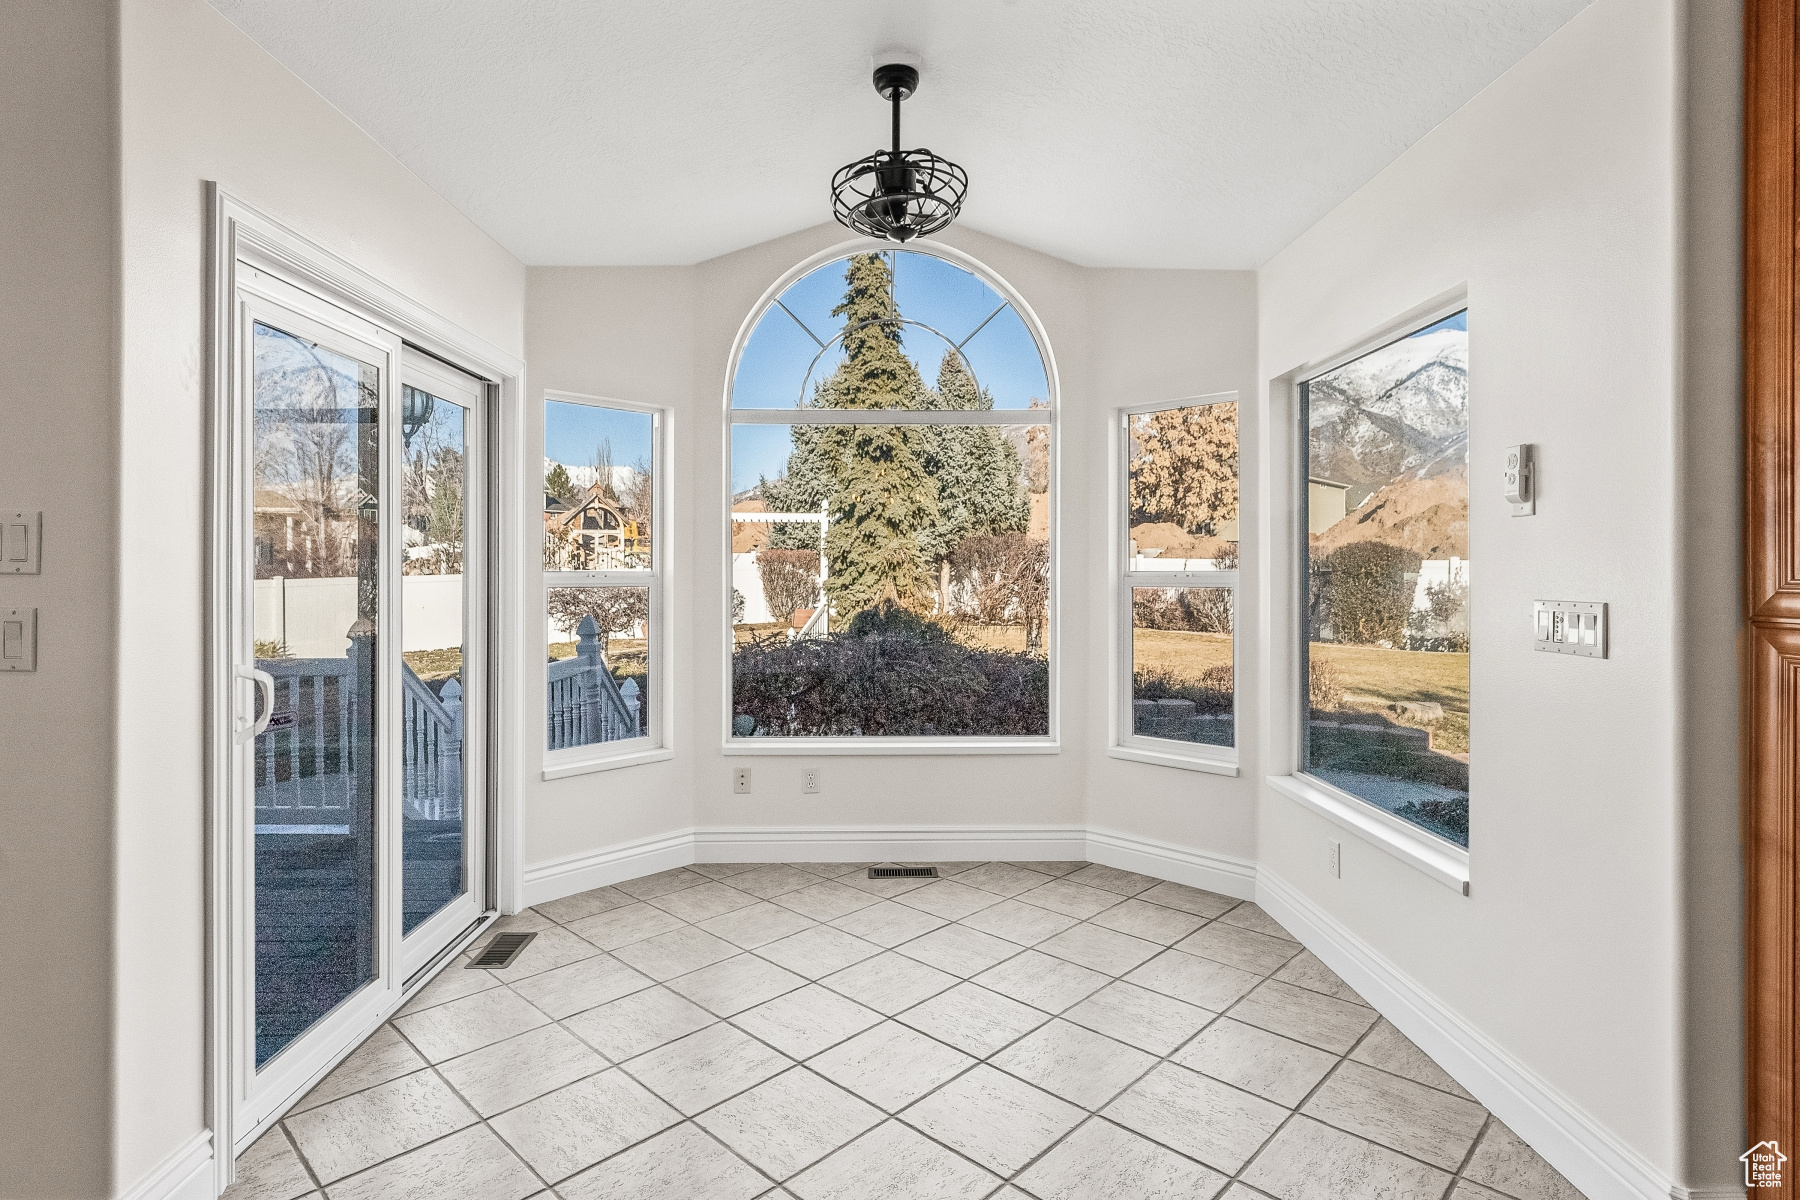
[(1374, 678)]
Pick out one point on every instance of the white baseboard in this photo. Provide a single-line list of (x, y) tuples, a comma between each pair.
[(1235, 877), (187, 1174), (583, 872), (1708, 1193), (911, 843), (1595, 1161)]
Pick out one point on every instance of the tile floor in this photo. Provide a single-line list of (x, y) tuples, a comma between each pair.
[(1058, 1031)]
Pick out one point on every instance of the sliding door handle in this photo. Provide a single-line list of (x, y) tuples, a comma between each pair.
[(265, 683)]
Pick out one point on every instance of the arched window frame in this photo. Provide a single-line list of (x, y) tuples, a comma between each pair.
[(1047, 417)]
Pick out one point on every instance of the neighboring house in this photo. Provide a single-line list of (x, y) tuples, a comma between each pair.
[(591, 532), (1325, 504)]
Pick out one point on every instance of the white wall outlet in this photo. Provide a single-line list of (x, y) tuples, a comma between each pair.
[(20, 533), (18, 639), (1334, 858), (1569, 627), (1521, 479), (740, 781), (809, 781)]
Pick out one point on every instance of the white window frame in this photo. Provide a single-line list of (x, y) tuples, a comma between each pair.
[(658, 745), (1048, 417), (1126, 743), (1433, 856)]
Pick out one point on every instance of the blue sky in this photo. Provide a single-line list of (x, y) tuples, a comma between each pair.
[(773, 368), (573, 431)]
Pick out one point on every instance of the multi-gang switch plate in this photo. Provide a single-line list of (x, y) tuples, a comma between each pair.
[(1570, 627)]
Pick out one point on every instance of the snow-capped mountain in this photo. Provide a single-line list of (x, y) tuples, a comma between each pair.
[(1402, 410), (585, 477)]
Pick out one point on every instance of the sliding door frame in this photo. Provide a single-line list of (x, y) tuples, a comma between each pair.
[(243, 238)]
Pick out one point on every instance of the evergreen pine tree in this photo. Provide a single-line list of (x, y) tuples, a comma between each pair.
[(977, 469), (557, 483)]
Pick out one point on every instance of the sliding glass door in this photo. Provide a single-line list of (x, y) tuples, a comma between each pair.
[(358, 830)]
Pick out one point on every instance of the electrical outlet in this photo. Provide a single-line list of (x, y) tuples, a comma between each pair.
[(740, 781), (809, 781), (1334, 858)]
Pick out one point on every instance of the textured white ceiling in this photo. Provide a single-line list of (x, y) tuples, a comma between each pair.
[(1148, 133)]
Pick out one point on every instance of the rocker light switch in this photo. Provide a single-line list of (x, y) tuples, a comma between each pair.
[(1569, 627), (18, 639), (20, 533)]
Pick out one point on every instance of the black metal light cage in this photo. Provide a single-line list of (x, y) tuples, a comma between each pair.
[(896, 194)]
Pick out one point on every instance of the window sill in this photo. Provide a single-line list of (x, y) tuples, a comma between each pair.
[(559, 768), (1447, 864), (1171, 758), (877, 747)]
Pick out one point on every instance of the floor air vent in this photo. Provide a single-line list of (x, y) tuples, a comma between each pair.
[(502, 950), (902, 872)]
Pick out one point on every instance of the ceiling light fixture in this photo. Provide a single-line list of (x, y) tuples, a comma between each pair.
[(898, 194)]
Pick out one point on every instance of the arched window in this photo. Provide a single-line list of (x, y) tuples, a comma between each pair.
[(891, 454)]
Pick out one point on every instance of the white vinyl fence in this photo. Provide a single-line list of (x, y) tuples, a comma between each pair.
[(309, 616)]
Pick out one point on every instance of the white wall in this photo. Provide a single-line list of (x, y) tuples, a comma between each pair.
[(201, 101), (1552, 197), (58, 453)]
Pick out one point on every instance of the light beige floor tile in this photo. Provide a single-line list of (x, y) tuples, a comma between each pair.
[(680, 1164), (834, 870), (973, 1019), (528, 920), (703, 900), (826, 900), (1071, 899), (884, 887), (1111, 879), (1505, 1163), (889, 983), (661, 883), (1238, 947), (1200, 1117), (1274, 1067), (1016, 921), (959, 950), (1104, 950), (886, 923), (641, 1021), (893, 1162), (698, 1071), (548, 950), (1152, 922), (1041, 981), (1081, 1066), (1000, 1122), (1140, 1017), (758, 925), (269, 1170), (818, 951), (1052, 868), (790, 1122), (1305, 1016), (804, 1022), (675, 953), (1199, 981), (384, 1056), (623, 926), (469, 1024), (1464, 1190), (772, 880), (1238, 1191), (581, 1124), (354, 1133), (1102, 1160), (1389, 1049), (1398, 1113), (469, 1165), (948, 899), (1310, 1161), (1250, 916), (1181, 897), (498, 1077), (452, 983), (583, 904), (735, 984), (723, 870), (1305, 970), (568, 990), (1003, 879), (891, 1065)]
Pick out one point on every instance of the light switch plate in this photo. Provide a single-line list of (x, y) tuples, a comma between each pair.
[(1569, 627), (18, 639), (20, 533)]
